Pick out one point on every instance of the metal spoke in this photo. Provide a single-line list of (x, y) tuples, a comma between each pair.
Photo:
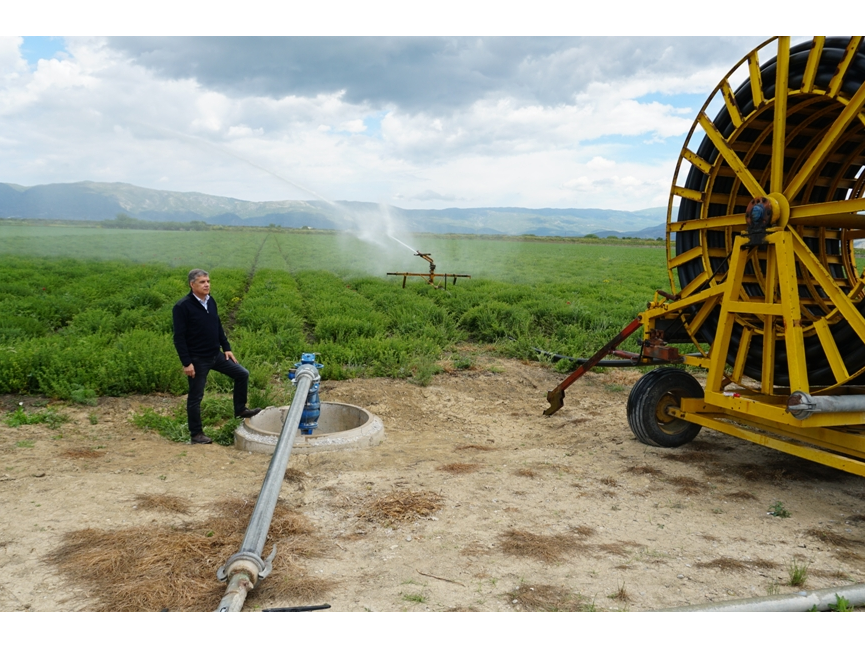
[(736, 164), (838, 77), (832, 214), (782, 67), (850, 112), (756, 79), (811, 66)]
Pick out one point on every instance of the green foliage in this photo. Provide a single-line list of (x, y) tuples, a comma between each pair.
[(48, 416), (98, 325), (841, 605), (173, 427), (779, 510), (217, 417), (83, 396), (798, 573)]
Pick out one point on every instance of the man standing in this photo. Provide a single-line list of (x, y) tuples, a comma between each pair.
[(198, 335)]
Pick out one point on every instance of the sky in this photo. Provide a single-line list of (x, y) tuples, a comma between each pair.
[(413, 121)]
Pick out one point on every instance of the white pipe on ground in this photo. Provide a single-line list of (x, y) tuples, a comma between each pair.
[(815, 600)]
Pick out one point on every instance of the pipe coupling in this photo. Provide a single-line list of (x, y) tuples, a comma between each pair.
[(248, 562)]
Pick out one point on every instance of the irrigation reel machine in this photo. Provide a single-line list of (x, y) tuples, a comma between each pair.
[(760, 257)]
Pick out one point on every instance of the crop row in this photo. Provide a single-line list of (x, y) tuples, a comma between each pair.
[(105, 326)]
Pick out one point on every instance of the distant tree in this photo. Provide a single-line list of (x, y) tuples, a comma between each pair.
[(591, 236)]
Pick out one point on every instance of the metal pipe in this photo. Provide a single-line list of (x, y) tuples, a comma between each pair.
[(802, 405), (815, 600), (246, 567)]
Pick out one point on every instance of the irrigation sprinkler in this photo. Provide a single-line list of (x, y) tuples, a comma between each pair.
[(431, 275), (244, 568)]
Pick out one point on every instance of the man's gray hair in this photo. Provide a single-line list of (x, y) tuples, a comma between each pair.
[(195, 273)]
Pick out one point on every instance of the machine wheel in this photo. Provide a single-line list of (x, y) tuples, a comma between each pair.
[(648, 402)]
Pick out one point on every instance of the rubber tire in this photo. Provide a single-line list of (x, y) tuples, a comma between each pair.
[(655, 390)]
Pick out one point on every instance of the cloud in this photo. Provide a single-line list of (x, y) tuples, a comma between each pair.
[(429, 195), (546, 122), (433, 75)]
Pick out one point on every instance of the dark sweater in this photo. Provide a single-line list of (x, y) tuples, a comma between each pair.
[(197, 331)]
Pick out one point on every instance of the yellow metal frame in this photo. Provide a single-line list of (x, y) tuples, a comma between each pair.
[(798, 299)]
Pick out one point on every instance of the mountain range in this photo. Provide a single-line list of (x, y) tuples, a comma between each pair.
[(93, 201)]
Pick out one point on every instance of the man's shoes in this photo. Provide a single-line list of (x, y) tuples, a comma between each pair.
[(201, 438), (248, 412)]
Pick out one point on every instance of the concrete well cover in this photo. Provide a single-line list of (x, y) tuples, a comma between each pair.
[(341, 426)]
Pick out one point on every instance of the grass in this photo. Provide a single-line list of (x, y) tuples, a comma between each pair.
[(798, 573), (841, 605), (401, 506), (217, 417), (621, 594), (48, 416), (166, 503), (67, 330), (686, 485), (644, 470), (547, 598), (82, 453), (546, 548), (832, 538), (459, 467), (415, 598)]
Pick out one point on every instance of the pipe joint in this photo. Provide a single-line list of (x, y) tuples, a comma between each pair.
[(249, 563), (802, 405)]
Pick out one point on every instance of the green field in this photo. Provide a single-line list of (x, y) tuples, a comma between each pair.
[(87, 310)]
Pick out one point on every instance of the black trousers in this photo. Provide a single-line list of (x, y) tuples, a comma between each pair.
[(202, 366)]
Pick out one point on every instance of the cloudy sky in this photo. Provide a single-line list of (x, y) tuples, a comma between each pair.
[(411, 121)]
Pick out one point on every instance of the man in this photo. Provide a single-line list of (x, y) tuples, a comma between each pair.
[(198, 335)]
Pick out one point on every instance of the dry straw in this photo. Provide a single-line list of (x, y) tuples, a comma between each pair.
[(401, 506), (173, 567)]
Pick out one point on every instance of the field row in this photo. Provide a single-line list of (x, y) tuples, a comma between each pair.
[(105, 326), (513, 261)]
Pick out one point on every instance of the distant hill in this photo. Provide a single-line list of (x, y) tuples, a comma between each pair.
[(103, 201)]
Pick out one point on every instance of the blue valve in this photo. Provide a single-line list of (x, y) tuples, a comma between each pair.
[(312, 408)]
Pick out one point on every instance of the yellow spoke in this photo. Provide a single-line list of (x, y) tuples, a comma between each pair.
[(811, 65), (742, 354), (690, 194), (732, 106), (839, 214), (827, 283), (730, 220), (685, 257), (782, 68), (833, 355), (697, 161), (730, 156), (851, 110), (756, 79), (849, 53)]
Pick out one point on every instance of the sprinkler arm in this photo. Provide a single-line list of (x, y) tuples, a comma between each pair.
[(556, 396)]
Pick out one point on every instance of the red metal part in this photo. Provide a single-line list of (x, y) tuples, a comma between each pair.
[(655, 347), (556, 396)]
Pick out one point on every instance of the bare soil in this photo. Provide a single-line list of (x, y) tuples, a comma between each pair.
[(474, 502)]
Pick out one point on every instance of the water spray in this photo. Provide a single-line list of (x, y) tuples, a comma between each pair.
[(342, 211), (195, 140)]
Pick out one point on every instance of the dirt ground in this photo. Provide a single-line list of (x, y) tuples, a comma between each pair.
[(535, 513)]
